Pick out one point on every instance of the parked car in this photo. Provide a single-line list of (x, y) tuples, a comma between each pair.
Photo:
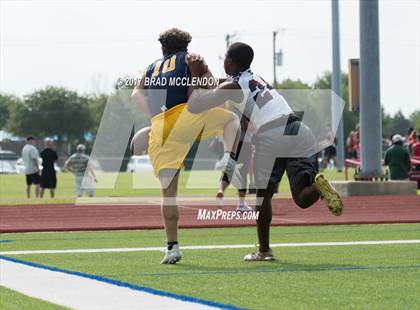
[(20, 167), (8, 161), (6, 166), (139, 164), (8, 155)]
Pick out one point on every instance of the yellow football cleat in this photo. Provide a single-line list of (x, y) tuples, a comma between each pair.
[(329, 194)]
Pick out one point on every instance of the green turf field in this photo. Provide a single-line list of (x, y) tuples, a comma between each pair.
[(330, 277), (12, 187), (12, 300)]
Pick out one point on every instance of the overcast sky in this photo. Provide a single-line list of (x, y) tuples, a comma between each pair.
[(88, 45)]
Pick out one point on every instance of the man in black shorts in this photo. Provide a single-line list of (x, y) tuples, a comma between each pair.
[(48, 177), (282, 142)]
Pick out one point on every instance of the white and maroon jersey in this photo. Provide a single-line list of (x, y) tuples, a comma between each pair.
[(261, 103)]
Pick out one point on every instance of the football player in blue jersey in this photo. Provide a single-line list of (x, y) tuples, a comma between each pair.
[(174, 127)]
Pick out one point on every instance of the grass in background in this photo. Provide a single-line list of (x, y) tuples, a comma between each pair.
[(11, 300), (12, 187)]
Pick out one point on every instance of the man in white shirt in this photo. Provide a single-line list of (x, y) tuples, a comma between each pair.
[(30, 159), (78, 164)]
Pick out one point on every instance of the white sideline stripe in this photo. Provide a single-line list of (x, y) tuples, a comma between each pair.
[(81, 293), (212, 247)]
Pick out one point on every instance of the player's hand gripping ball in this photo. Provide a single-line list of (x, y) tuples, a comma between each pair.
[(197, 65), (140, 142)]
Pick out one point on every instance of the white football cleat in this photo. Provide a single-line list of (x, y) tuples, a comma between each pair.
[(260, 256), (172, 256), (243, 207)]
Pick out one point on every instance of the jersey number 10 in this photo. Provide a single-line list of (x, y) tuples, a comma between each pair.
[(168, 66)]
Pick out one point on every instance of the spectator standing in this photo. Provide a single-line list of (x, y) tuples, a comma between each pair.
[(415, 150), (398, 159), (356, 144), (30, 159), (353, 143), (78, 164), (348, 144), (48, 176), (411, 139), (330, 152)]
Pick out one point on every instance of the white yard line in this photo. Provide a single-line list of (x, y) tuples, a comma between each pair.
[(78, 292), (214, 247), (293, 221), (189, 208)]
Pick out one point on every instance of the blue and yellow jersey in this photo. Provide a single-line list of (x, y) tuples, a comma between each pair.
[(160, 75)]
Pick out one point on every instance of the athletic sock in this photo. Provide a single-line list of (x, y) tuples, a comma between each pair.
[(230, 158), (227, 156), (171, 244)]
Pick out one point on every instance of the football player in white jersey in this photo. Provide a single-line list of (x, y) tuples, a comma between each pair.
[(278, 131)]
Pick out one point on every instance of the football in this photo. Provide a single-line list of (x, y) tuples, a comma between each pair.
[(140, 142), (197, 65)]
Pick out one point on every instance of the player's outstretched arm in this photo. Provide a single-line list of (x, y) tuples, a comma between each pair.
[(202, 100)]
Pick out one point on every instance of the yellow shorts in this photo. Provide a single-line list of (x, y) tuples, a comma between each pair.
[(173, 131)]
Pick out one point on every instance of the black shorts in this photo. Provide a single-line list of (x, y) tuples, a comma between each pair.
[(48, 179), (330, 151), (281, 146), (32, 178)]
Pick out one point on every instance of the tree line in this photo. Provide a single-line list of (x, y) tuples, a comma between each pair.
[(71, 118), (391, 124), (55, 112)]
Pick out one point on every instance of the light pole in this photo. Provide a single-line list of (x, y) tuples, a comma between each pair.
[(277, 57), (370, 105), (229, 38), (337, 121), (275, 32)]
